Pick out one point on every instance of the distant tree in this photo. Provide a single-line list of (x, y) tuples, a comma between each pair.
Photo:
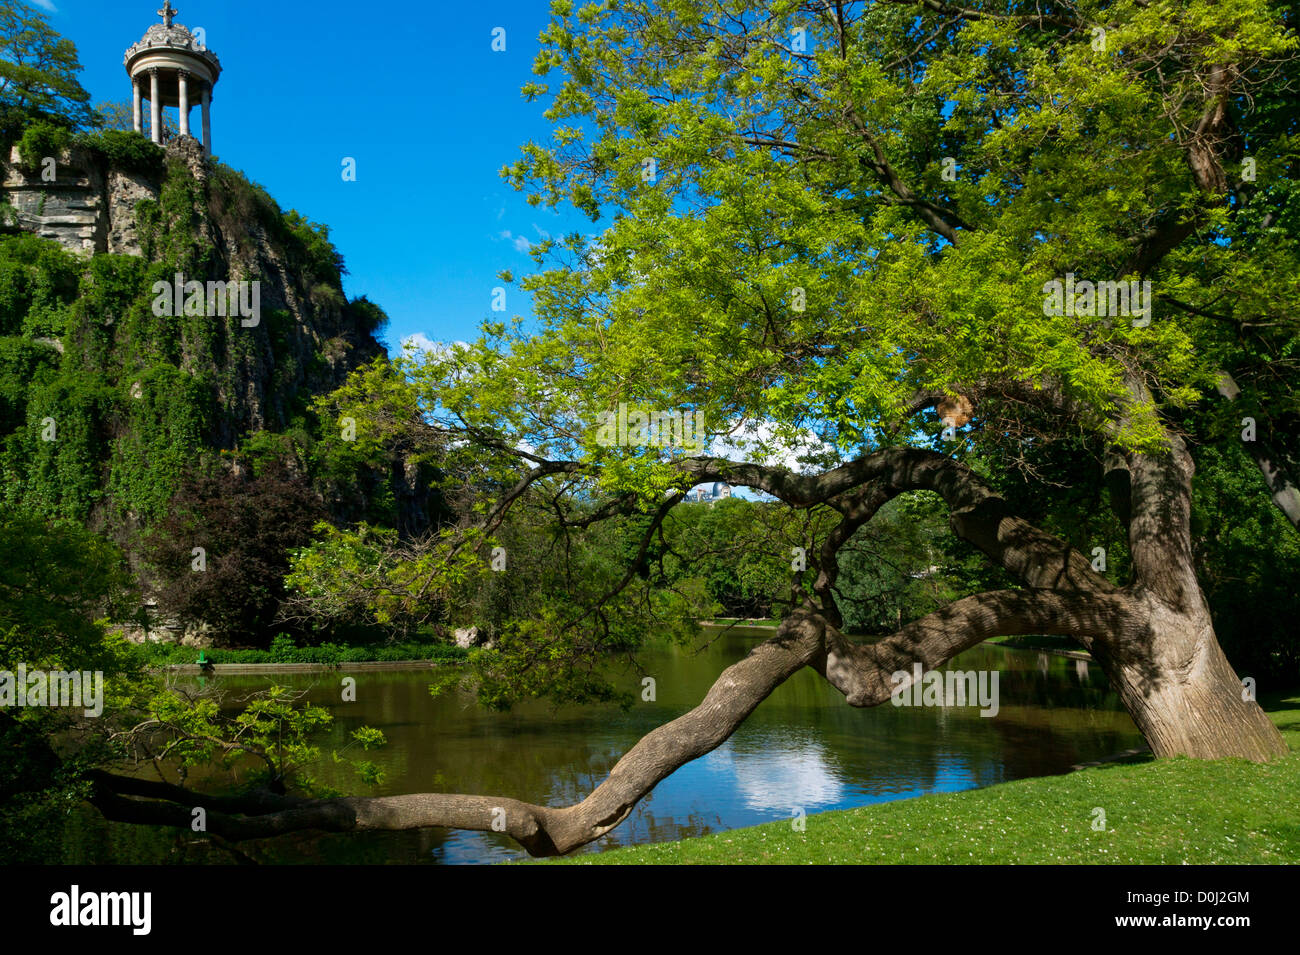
[(38, 74), (724, 544), (902, 566), (119, 114)]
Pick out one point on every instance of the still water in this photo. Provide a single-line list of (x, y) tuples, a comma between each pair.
[(803, 748)]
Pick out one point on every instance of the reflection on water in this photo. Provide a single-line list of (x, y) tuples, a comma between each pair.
[(802, 749)]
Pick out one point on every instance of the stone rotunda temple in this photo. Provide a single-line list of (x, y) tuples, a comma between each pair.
[(169, 67)]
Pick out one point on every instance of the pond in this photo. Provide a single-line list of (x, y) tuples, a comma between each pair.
[(803, 749)]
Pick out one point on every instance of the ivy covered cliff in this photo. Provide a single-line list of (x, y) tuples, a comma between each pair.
[(133, 418)]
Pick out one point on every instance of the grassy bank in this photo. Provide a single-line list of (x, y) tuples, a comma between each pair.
[(1156, 811), (284, 651)]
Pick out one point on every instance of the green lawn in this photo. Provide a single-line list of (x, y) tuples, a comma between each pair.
[(1157, 811)]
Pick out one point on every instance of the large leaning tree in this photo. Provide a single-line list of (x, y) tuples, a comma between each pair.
[(833, 227)]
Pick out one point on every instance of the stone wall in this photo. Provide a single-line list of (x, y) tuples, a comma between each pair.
[(86, 207)]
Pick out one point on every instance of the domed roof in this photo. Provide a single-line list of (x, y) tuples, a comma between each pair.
[(169, 35)]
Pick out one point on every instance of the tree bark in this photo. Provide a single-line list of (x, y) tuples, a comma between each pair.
[(1167, 664), (1180, 690)]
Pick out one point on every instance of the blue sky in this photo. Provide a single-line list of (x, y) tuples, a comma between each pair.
[(430, 121)]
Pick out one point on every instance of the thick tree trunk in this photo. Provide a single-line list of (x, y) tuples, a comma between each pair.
[(1180, 690), (1166, 662)]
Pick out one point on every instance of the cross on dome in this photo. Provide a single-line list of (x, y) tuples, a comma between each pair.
[(168, 13)]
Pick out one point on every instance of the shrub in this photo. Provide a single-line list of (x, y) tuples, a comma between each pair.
[(366, 315), (247, 523), (128, 151), (41, 140)]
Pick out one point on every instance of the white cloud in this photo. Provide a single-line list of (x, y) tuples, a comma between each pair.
[(45, 5), (423, 343), (521, 243), (744, 444)]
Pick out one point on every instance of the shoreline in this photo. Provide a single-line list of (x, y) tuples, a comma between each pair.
[(217, 669)]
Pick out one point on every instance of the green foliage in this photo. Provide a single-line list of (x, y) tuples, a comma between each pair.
[(166, 419), (1248, 557), (22, 363), (902, 566), (171, 228), (273, 732), (340, 577), (53, 465), (366, 315), (126, 150), (316, 256), (58, 586), (57, 582), (38, 284), (329, 654), (42, 140), (825, 172), (246, 522), (38, 74), (740, 550), (142, 392)]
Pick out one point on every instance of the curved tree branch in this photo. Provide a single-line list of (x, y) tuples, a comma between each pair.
[(863, 672)]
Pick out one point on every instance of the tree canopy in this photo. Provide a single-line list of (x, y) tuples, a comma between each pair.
[(38, 74)]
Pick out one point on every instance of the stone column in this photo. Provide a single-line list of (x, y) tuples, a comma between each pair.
[(155, 107), (207, 118), (183, 77), (136, 112)]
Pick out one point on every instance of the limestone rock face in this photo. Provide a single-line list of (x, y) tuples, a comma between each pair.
[(86, 207), (124, 190), (65, 202), (306, 339), (469, 637)]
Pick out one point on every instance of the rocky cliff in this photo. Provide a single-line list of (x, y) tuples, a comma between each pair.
[(136, 390), (78, 200)]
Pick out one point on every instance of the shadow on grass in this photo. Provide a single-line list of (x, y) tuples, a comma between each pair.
[(1284, 709)]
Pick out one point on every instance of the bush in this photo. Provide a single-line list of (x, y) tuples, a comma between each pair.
[(283, 650), (247, 521), (40, 141), (128, 151), (366, 315)]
